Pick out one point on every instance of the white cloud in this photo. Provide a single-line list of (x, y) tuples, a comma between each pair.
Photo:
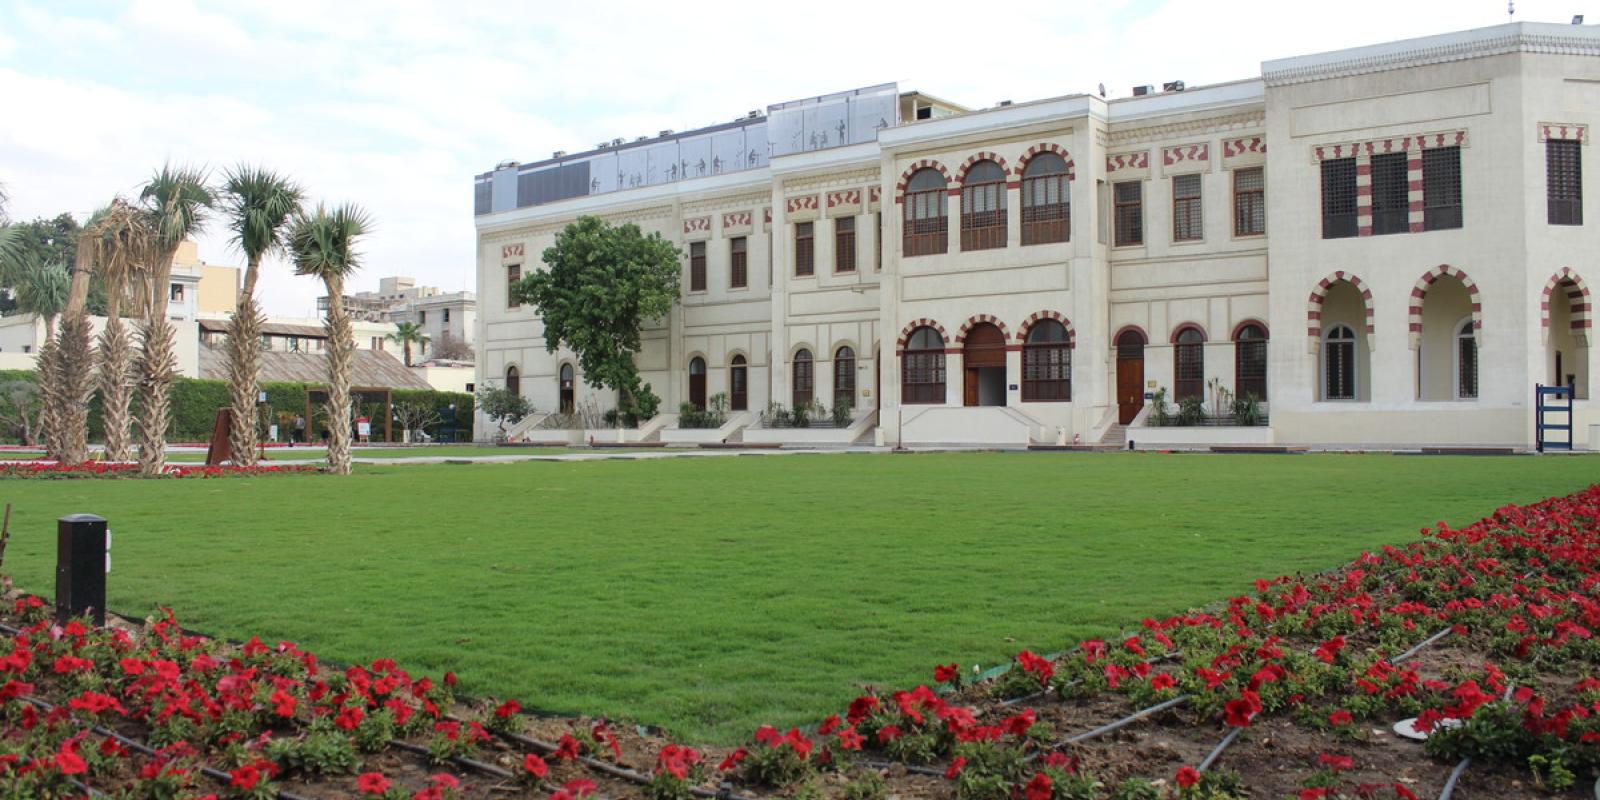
[(395, 105)]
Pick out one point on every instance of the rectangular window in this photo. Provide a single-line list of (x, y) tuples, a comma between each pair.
[(1129, 198), (844, 244), (447, 315), (1441, 188), (1187, 225), (697, 266), (1338, 198), (422, 317), (1249, 202), (805, 263), (738, 267), (1563, 171), (1391, 194), (177, 292), (513, 274), (877, 243)]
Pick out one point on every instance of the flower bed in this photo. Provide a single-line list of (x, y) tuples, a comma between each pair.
[(1483, 634), (47, 470)]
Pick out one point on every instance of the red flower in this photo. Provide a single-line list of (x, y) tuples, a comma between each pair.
[(507, 708), (246, 777), (849, 739), (889, 733), (567, 748), (349, 718), (1313, 794), (445, 780), (1340, 718), (732, 760), (283, 703), (535, 765), (1337, 763), (579, 787), (70, 763), (450, 679), (1239, 712), (829, 725), (1162, 681), (1018, 725), (946, 673), (1187, 776), (1040, 788), (954, 768), (1403, 793), (372, 783)]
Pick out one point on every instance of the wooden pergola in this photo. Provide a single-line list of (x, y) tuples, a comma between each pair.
[(317, 397)]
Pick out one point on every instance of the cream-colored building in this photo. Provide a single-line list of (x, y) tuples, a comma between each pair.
[(1386, 245), (443, 316)]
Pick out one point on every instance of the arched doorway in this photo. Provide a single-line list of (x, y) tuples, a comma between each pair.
[(568, 390), (513, 381), (983, 355), (1250, 361), (738, 385), (1567, 337), (844, 376), (1130, 375), (697, 382), (804, 378), (1446, 301)]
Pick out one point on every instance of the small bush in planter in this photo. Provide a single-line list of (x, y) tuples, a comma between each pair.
[(1191, 410), (1247, 410), (842, 411), (776, 416)]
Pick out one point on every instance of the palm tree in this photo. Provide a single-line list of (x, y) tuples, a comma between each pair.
[(322, 245), (68, 380), (41, 290), (409, 333), (177, 200), (118, 240), (258, 204)]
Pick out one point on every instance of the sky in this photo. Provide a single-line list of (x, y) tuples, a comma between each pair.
[(396, 104)]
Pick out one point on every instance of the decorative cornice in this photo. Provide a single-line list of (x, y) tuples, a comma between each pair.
[(727, 203), (1124, 136), (1514, 41), (834, 180)]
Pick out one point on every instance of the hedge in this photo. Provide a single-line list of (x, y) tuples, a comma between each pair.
[(195, 403)]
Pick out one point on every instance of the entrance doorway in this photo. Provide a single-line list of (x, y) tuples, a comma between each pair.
[(568, 390), (984, 357), (738, 385), (1130, 375), (697, 382)]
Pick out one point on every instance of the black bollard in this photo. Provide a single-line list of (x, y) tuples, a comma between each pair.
[(81, 567)]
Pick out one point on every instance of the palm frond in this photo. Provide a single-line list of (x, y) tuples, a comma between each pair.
[(42, 287), (258, 203), (179, 201), (118, 243), (322, 243)]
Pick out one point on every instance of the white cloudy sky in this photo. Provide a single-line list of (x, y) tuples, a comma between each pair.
[(395, 104)]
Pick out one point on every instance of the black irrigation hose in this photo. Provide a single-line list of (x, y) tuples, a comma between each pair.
[(1128, 720), (1455, 775), (463, 761), (1216, 752)]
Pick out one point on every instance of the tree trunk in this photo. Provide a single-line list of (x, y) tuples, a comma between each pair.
[(244, 368), (49, 366), (341, 349), (116, 383), (70, 384), (157, 363), (407, 346)]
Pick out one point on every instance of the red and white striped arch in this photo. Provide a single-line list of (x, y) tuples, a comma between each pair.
[(1419, 292), (1571, 284), (974, 159), (1027, 326), (1045, 147), (905, 177), (1319, 294), (912, 326), (973, 321)]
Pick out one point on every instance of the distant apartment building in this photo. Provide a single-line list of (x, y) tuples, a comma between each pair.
[(443, 316)]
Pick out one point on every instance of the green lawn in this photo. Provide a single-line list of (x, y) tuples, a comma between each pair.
[(712, 594)]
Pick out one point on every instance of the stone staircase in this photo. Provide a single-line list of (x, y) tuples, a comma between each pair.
[(1115, 438)]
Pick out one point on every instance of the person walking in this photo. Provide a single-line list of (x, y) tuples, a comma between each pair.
[(299, 429)]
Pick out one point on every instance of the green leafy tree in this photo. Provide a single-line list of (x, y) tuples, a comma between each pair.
[(502, 406), (601, 285), (407, 334), (49, 241)]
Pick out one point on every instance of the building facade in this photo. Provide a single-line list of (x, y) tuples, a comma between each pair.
[(445, 317), (1386, 246)]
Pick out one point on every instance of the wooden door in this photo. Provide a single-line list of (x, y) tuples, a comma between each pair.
[(697, 383), (971, 389), (1130, 376)]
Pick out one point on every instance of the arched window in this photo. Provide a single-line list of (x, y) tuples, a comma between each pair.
[(1047, 363), (1046, 200), (1189, 364), (513, 381), (983, 207), (1466, 361), (844, 376), (804, 378), (568, 390), (925, 214), (738, 385), (1250, 362), (922, 368), (1339, 364), (697, 382)]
